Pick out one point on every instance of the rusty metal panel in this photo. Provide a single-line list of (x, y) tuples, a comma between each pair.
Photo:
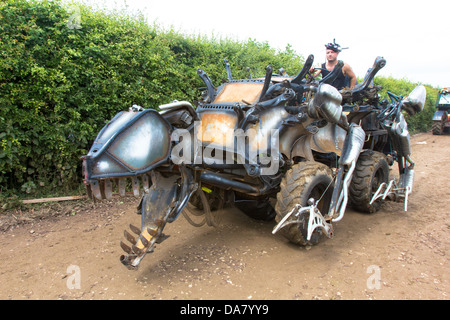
[(239, 92), (216, 127)]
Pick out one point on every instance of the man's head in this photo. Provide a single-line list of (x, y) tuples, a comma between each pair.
[(331, 55), (333, 46), (332, 51)]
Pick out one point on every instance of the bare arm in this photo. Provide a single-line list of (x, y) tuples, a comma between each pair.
[(348, 71), (315, 72)]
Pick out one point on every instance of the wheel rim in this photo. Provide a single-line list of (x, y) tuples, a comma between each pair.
[(318, 193), (376, 180)]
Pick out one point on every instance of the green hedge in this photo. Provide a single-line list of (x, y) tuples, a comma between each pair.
[(59, 84), (420, 122)]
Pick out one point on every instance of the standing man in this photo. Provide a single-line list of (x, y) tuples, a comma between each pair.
[(347, 77)]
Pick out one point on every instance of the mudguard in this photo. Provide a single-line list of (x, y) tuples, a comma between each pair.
[(439, 115), (131, 144)]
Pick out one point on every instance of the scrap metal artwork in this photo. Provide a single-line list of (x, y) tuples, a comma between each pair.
[(273, 122)]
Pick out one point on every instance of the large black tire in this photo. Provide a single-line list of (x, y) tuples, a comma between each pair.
[(371, 171), (303, 181), (438, 127), (258, 209)]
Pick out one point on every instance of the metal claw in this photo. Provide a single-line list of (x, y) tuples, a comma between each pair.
[(89, 191), (129, 237), (135, 183), (144, 241), (392, 189), (316, 220), (108, 189), (125, 248), (145, 183), (152, 232), (137, 251), (135, 229), (283, 221), (122, 184), (95, 187)]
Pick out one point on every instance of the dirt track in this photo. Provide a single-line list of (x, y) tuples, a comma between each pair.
[(406, 251)]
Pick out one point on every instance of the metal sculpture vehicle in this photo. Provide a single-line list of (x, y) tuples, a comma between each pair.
[(293, 149)]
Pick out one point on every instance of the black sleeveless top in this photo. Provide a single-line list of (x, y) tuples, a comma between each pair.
[(339, 82)]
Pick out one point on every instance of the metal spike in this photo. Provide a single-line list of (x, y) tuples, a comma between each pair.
[(144, 241), (129, 237), (137, 250), (152, 232), (102, 188), (96, 190), (108, 189), (89, 191), (122, 184), (135, 229), (145, 183), (125, 248), (153, 178), (135, 183)]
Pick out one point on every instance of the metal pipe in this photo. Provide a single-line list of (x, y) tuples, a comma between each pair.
[(346, 183), (267, 81), (226, 183), (175, 104)]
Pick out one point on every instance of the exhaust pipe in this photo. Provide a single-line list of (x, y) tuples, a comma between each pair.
[(220, 181)]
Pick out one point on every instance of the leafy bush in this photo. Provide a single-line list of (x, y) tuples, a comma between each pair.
[(62, 80), (60, 85), (420, 122)]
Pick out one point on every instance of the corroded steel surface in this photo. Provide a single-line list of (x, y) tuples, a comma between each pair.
[(239, 92), (217, 128)]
